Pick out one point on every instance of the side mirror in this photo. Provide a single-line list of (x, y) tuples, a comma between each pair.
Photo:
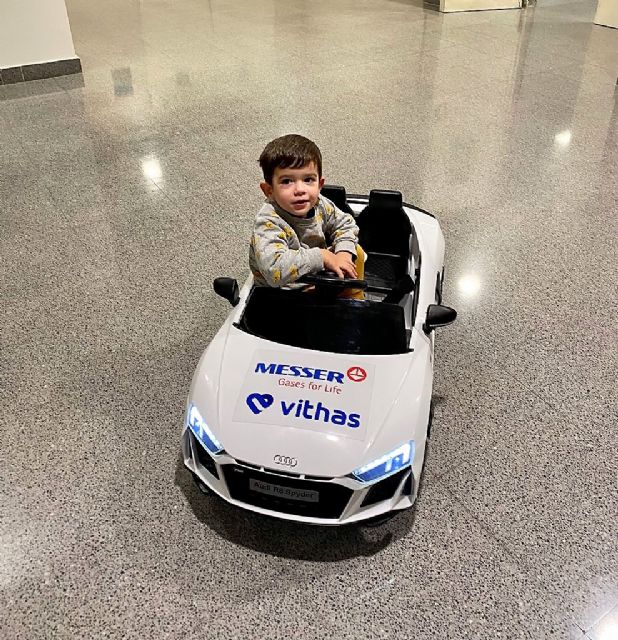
[(438, 316), (227, 288)]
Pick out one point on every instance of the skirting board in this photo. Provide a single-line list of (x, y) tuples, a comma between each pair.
[(11, 75), (449, 6)]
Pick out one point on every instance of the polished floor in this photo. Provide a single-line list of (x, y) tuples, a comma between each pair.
[(124, 191)]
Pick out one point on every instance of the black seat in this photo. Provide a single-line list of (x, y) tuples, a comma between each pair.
[(337, 196), (384, 233)]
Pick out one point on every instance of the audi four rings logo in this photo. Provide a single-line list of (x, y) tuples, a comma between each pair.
[(285, 460)]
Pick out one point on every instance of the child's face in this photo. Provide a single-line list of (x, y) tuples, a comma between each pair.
[(295, 190)]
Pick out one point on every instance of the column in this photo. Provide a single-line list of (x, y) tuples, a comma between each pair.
[(35, 41)]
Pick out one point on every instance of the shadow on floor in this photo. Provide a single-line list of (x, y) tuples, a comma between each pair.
[(286, 539)]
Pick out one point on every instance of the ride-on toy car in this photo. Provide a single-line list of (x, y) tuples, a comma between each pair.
[(316, 408)]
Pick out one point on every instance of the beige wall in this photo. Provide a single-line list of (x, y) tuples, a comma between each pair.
[(607, 13), (476, 5), (33, 31)]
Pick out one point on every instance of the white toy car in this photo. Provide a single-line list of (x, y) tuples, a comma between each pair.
[(315, 408)]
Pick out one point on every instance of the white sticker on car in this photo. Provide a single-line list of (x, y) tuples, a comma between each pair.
[(310, 391)]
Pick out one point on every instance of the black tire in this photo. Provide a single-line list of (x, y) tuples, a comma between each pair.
[(202, 488), (378, 521), (430, 421), (439, 286)]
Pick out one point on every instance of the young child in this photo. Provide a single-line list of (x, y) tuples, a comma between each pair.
[(298, 231)]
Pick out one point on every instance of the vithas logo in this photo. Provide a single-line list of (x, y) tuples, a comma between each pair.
[(303, 410), (257, 402)]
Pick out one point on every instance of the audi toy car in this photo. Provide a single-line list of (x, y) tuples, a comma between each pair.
[(316, 408)]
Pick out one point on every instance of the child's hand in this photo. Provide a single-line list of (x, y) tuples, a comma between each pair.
[(340, 263)]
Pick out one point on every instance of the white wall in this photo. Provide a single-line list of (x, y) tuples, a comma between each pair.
[(478, 5), (607, 13), (33, 31)]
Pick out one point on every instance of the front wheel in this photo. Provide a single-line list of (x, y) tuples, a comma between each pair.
[(430, 420), (202, 487), (378, 521)]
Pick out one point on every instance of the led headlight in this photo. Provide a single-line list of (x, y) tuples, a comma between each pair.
[(387, 464), (201, 431)]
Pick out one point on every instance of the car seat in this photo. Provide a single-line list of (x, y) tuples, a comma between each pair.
[(337, 196), (384, 233)]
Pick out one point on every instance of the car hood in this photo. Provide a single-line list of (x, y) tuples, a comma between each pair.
[(324, 413)]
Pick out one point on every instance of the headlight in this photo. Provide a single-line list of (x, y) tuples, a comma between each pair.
[(387, 464), (201, 431)]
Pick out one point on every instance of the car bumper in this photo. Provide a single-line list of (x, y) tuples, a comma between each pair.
[(313, 500)]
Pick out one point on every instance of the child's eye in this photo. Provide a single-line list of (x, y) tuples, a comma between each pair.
[(309, 179), (285, 181)]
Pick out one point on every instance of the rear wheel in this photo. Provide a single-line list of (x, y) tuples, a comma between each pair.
[(439, 285)]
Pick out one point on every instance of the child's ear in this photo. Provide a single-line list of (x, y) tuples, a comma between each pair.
[(321, 183), (267, 189)]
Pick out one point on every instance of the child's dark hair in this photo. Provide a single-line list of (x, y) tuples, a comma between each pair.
[(289, 152)]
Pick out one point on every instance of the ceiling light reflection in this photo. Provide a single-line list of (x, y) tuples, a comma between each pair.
[(151, 168), (563, 138), (469, 285)]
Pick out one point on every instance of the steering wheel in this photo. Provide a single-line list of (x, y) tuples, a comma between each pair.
[(330, 280)]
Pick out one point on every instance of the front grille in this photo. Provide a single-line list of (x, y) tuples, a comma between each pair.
[(204, 457), (384, 489), (332, 498), (278, 472)]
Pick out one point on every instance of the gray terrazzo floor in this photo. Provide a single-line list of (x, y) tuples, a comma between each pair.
[(124, 191)]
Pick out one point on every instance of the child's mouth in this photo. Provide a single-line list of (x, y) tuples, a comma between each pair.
[(299, 204)]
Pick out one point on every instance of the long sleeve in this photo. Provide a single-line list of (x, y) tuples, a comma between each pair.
[(279, 264), (340, 227)]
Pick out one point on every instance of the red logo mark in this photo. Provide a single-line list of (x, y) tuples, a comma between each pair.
[(356, 374)]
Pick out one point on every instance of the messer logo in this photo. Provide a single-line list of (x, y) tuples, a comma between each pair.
[(257, 402), (356, 374)]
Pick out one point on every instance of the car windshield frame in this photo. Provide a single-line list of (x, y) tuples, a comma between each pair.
[(326, 323)]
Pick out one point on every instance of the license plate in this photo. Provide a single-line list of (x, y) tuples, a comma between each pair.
[(289, 493)]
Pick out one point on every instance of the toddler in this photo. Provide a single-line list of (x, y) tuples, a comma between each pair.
[(297, 231)]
